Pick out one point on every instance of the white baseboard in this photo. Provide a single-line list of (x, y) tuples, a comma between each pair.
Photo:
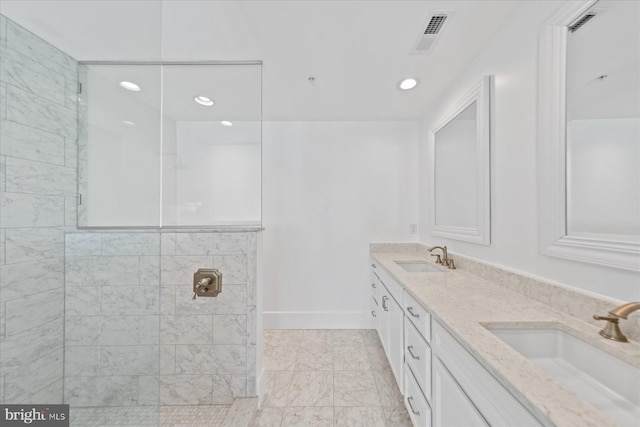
[(317, 320)]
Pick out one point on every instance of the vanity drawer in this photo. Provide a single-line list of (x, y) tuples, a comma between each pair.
[(418, 316), (417, 406), (417, 354)]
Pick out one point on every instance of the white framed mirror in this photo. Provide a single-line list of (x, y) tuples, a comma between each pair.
[(459, 163), (589, 134)]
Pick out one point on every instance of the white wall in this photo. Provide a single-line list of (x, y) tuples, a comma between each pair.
[(330, 188), (512, 57)]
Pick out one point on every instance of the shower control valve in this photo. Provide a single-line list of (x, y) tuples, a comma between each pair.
[(207, 282)]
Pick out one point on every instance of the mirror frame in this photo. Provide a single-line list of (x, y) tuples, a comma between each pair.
[(480, 93), (552, 192)]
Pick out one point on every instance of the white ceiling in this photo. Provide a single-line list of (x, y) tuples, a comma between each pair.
[(356, 50)]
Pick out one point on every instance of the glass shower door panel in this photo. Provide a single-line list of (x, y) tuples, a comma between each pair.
[(212, 153), (119, 154)]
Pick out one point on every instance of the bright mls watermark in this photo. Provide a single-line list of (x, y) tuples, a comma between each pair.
[(35, 415)]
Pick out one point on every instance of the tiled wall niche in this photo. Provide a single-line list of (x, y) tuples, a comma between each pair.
[(135, 336), (37, 204)]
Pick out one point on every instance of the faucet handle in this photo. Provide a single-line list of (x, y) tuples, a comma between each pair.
[(438, 259), (611, 330), (607, 318), (450, 264)]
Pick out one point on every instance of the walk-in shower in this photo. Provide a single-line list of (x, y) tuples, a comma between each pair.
[(119, 181)]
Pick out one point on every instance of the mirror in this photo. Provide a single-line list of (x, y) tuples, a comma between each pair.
[(459, 164), (589, 134), (603, 122)]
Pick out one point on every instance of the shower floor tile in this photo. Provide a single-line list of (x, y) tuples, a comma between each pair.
[(164, 416)]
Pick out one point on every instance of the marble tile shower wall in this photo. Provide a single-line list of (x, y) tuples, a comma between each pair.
[(208, 346), (37, 204), (134, 336), (112, 318)]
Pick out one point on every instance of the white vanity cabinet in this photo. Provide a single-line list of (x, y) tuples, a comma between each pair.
[(374, 301), (442, 383), (390, 318), (395, 351), (417, 356), (452, 406), (417, 405), (465, 393)]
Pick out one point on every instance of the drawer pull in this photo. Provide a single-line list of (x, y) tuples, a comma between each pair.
[(410, 350), (373, 285), (410, 310), (384, 301), (373, 313), (409, 400)]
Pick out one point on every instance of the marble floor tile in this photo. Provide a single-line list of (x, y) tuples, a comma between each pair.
[(351, 358), (317, 337), (315, 358), (277, 388), (280, 358), (377, 358), (347, 337), (358, 417), (397, 417), (370, 337), (355, 388), (268, 417), (308, 416), (306, 388), (311, 388), (388, 390), (283, 337)]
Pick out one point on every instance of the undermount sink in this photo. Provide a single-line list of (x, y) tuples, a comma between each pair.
[(610, 384), (419, 267)]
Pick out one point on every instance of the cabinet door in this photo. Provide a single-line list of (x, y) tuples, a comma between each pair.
[(396, 341), (452, 407), (383, 318)]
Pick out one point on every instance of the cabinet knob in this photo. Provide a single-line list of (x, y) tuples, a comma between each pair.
[(373, 313), (373, 285), (373, 265)]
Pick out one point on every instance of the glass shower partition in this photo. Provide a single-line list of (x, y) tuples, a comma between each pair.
[(119, 145), (169, 182)]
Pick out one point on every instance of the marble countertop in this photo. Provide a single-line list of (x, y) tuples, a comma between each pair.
[(464, 304)]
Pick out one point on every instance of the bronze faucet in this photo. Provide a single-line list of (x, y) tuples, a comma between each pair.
[(612, 329), (445, 260), (444, 253)]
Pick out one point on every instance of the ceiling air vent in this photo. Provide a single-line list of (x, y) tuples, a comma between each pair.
[(580, 22), (432, 31), (435, 23)]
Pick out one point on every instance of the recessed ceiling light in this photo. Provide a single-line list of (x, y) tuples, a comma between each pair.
[(130, 86), (203, 100), (226, 123), (408, 83), (128, 123)]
